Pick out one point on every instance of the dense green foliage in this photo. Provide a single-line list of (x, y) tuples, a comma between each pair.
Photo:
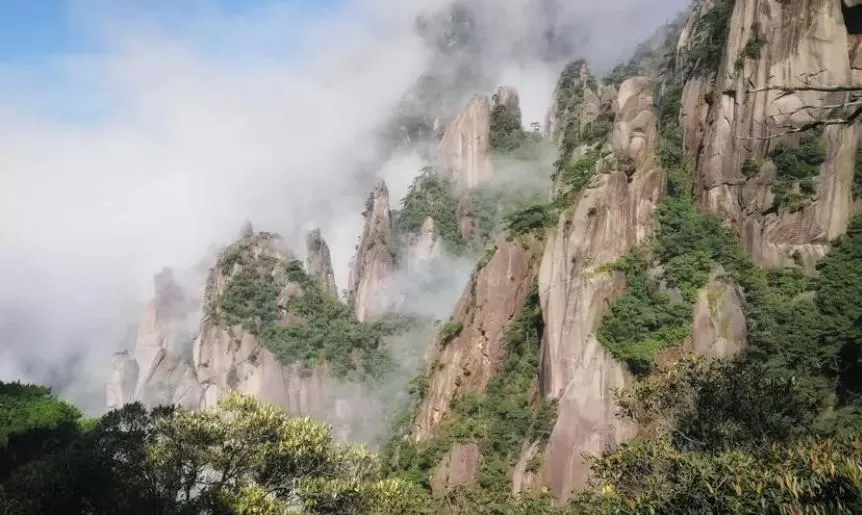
[(450, 331), (26, 407), (569, 86), (857, 175), (798, 166), (729, 438), (430, 195), (644, 320), (751, 50), (508, 137), (328, 332), (239, 458), (531, 220)]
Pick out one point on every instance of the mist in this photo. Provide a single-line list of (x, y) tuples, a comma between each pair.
[(153, 144)]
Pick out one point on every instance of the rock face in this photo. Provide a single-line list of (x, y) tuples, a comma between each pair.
[(613, 215), (230, 358), (753, 100), (495, 296), (576, 80), (720, 329), (424, 246), (460, 467), (122, 380), (371, 270), (318, 262), (507, 97), (156, 371), (465, 150)]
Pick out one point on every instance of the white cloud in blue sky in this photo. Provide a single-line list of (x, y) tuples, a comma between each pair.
[(134, 134)]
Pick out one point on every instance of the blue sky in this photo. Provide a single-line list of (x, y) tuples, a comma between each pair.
[(44, 42), (34, 29)]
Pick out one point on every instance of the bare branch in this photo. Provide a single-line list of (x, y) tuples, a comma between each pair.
[(827, 89)]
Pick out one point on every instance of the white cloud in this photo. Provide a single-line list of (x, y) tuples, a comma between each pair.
[(197, 126)]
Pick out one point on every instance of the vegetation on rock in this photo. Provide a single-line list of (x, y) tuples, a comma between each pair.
[(500, 421), (798, 167), (706, 50), (433, 196), (326, 331), (644, 320)]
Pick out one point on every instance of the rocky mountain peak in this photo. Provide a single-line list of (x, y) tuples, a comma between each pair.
[(319, 263), (371, 269), (464, 152), (507, 97)]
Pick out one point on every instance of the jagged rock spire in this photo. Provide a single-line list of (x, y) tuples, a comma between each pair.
[(508, 98), (319, 262), (371, 269), (465, 150)]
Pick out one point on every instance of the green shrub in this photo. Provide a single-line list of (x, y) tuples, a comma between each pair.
[(751, 167), (430, 195), (507, 135), (709, 39), (599, 129), (328, 334), (533, 219), (857, 175), (798, 166), (577, 175), (450, 330), (644, 320)]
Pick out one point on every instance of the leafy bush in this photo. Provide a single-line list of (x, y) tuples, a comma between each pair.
[(430, 195), (599, 129), (577, 175), (569, 87), (644, 320), (450, 330), (857, 176), (797, 168), (689, 243), (507, 135), (531, 220)]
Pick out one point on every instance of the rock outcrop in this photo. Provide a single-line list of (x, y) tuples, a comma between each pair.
[(720, 329), (318, 262), (759, 96), (459, 467), (424, 246), (507, 98), (464, 153), (122, 380), (611, 216), (156, 371), (371, 269), (229, 357), (493, 299), (577, 82)]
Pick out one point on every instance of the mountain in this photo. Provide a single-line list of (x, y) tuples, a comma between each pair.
[(662, 312)]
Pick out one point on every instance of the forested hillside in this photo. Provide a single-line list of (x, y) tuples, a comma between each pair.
[(665, 318)]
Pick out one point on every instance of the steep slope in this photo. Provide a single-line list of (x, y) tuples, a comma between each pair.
[(318, 263), (465, 149), (371, 269), (157, 371), (471, 346), (611, 216), (754, 118)]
